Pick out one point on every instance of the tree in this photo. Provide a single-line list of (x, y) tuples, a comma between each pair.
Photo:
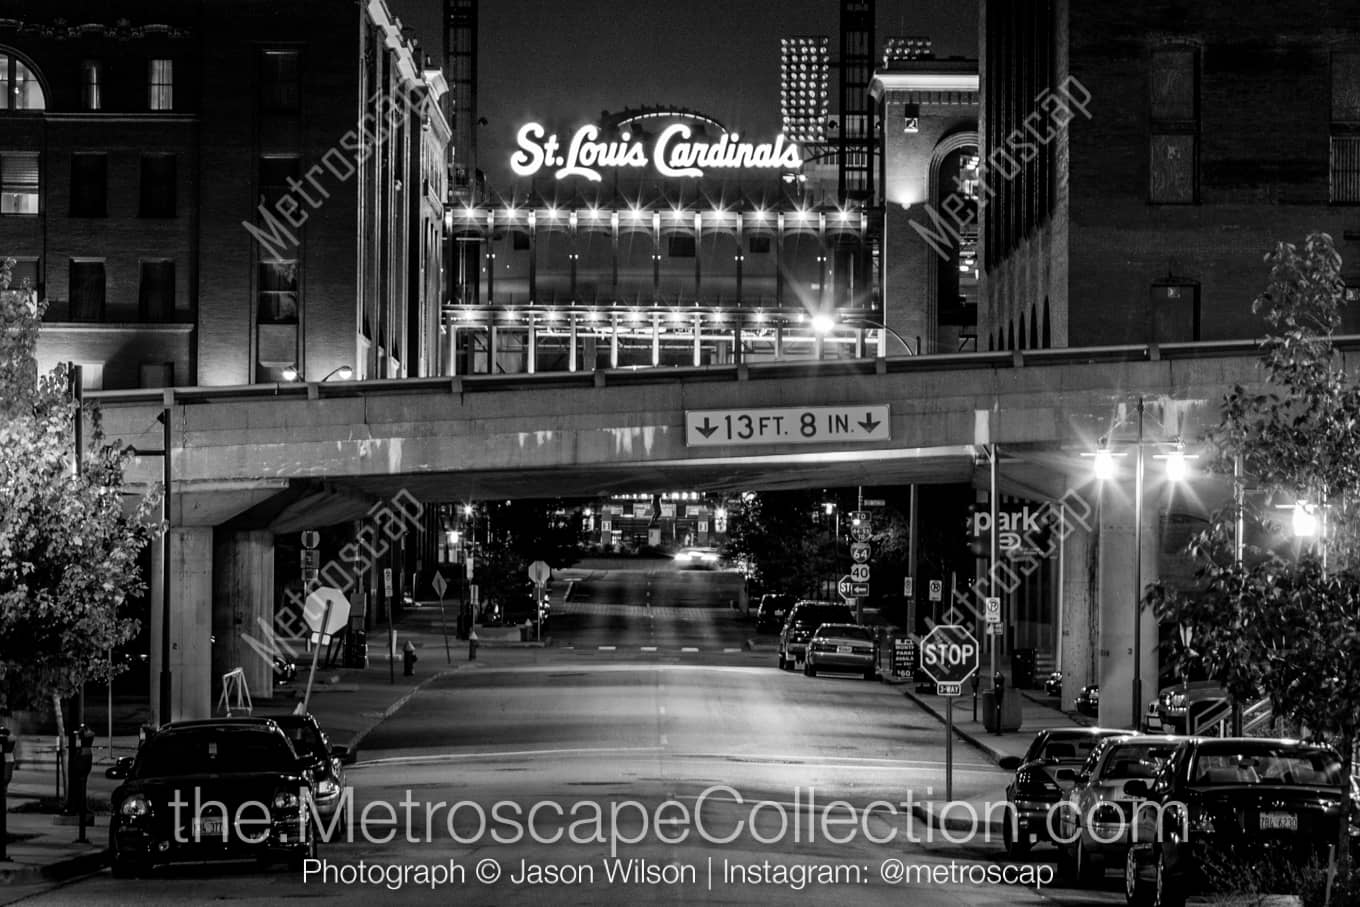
[(69, 543), (1265, 622), (517, 533), (787, 539)]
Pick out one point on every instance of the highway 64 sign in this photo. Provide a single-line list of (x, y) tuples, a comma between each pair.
[(949, 654)]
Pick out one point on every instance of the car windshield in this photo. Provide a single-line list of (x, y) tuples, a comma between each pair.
[(1246, 764), (1068, 750), (845, 631), (304, 738), (217, 750), (1135, 760)]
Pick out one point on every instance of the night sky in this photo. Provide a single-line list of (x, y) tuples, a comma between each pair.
[(561, 62)]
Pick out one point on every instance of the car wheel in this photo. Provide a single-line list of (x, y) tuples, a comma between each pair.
[(1166, 893), (870, 674), (809, 669), (1137, 890), (298, 858), (1015, 847), (1088, 870)]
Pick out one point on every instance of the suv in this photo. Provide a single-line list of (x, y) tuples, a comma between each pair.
[(771, 611), (801, 622), (1226, 807)]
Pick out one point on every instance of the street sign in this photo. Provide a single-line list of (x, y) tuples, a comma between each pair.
[(859, 552), (937, 590), (311, 538), (314, 610), (539, 572), (845, 587), (861, 533), (859, 590), (859, 516), (311, 558), (948, 689), (786, 425), (439, 584), (873, 502), (904, 655), (949, 654), (859, 573), (993, 612), (908, 587), (996, 629)]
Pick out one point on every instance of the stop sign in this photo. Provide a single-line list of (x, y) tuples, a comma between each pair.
[(949, 654)]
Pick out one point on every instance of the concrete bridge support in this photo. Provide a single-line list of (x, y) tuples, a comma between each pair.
[(191, 589), (243, 610), (1123, 573)]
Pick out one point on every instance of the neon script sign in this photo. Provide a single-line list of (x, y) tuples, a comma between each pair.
[(674, 153)]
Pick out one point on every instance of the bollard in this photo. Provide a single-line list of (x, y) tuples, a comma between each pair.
[(408, 659), (998, 693), (472, 646), (6, 772), (975, 689)]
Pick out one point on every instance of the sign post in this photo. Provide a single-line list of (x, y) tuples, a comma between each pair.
[(439, 587), (391, 630), (325, 611), (539, 572), (949, 656)]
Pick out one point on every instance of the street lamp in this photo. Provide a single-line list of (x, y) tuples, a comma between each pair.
[(343, 373), (823, 324)]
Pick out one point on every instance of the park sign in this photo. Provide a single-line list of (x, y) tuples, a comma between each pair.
[(684, 148)]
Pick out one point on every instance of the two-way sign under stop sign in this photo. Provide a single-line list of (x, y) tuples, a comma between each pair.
[(949, 656)]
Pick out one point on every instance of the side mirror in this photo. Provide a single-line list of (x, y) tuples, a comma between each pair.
[(120, 769), (1136, 788), (1066, 774), (1010, 763), (343, 753)]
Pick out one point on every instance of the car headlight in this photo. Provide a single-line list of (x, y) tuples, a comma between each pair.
[(1201, 821), (327, 788), (135, 807), (285, 799)]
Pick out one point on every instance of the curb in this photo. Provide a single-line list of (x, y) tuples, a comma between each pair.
[(952, 825), (357, 738), (57, 871), (966, 737)]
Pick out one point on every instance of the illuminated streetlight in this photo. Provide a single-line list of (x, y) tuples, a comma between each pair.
[(1304, 521)]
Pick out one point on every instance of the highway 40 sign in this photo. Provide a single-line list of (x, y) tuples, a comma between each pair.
[(949, 654)]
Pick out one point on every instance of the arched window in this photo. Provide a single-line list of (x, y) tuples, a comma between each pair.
[(1033, 331), (20, 88)]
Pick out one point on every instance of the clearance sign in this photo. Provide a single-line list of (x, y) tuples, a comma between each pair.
[(675, 153)]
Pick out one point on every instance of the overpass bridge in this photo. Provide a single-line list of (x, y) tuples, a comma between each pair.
[(250, 462)]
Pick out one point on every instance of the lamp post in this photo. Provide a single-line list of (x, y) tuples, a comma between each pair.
[(823, 324), (342, 372), (831, 510)]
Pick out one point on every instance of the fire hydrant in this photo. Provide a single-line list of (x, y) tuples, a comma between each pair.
[(408, 659), (472, 646)]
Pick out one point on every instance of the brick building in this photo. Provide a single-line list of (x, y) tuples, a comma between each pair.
[(1194, 138), (186, 186)]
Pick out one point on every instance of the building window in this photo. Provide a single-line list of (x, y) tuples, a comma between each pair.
[(280, 80), (161, 84), (156, 291), (87, 290), (758, 245), (1174, 311), (19, 85), (24, 275), (158, 186), (1344, 169), (278, 294), (1173, 165), (156, 374), (19, 186), (275, 175), (89, 185), (91, 81), (519, 240), (680, 245)]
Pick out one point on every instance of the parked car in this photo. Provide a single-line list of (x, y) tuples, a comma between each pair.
[(1095, 825), (1088, 700), (771, 610), (1225, 805), (802, 621), (328, 762), (1036, 788), (251, 783), (852, 648), (1177, 704), (1053, 684), (697, 558)]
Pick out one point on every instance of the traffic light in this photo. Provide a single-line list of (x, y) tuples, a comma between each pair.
[(979, 530)]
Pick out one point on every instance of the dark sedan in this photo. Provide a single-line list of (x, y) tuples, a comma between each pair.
[(328, 762), (1088, 700), (1036, 789), (1225, 810), (219, 789)]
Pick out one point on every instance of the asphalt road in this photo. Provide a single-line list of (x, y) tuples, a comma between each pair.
[(641, 774)]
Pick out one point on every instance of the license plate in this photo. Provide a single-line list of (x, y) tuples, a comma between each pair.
[(1285, 821), (204, 828), (842, 650)]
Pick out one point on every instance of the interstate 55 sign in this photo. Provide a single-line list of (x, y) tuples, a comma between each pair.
[(949, 654)]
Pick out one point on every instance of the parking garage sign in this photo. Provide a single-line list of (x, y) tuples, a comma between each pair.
[(786, 425)]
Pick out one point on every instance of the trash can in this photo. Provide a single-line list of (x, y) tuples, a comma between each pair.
[(1010, 709), (1022, 669)]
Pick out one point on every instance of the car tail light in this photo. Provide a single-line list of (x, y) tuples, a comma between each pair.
[(285, 799)]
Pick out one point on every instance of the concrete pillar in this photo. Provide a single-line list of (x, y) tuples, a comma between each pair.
[(1119, 603), (243, 610), (190, 625), (1079, 628)]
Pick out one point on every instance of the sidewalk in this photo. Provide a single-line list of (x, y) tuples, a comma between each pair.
[(1037, 712), (347, 702)]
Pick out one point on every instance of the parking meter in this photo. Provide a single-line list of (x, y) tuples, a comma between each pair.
[(974, 681), (6, 772), (998, 693), (80, 761)]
